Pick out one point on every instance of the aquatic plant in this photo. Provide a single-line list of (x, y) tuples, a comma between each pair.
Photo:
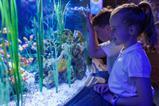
[(4, 84), (39, 40), (69, 67), (55, 72), (60, 28), (59, 14), (10, 20)]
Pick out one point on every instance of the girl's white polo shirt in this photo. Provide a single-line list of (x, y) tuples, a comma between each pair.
[(131, 62)]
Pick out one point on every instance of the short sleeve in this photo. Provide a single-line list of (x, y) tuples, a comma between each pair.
[(138, 66), (110, 48)]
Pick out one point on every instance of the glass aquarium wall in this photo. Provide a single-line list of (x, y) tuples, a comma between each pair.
[(43, 51)]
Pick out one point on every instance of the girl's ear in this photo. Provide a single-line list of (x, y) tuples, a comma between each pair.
[(132, 30)]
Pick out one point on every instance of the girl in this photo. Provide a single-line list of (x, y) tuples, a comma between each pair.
[(129, 81)]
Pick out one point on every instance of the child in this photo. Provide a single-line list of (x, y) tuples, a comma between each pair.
[(102, 31), (129, 81)]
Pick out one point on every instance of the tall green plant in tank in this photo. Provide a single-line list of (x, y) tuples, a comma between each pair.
[(69, 67), (39, 40), (55, 71), (10, 21), (60, 28), (59, 12), (4, 82), (59, 16)]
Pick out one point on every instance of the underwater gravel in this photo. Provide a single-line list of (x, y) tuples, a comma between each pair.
[(49, 97)]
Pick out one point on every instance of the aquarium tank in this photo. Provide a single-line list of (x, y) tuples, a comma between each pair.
[(43, 51)]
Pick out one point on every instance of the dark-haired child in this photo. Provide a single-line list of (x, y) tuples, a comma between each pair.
[(102, 31)]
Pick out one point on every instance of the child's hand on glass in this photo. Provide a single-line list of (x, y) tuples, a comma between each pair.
[(87, 15), (101, 88)]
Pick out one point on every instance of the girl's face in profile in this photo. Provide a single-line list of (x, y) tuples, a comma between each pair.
[(119, 31)]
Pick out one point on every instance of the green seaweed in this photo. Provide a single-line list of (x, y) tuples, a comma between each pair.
[(55, 71), (10, 20), (69, 69), (60, 27), (40, 40), (59, 15), (61, 38)]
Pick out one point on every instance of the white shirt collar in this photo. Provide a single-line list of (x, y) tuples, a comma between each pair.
[(135, 46)]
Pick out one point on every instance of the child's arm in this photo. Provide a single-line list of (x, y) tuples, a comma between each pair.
[(144, 92), (94, 49), (143, 98)]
